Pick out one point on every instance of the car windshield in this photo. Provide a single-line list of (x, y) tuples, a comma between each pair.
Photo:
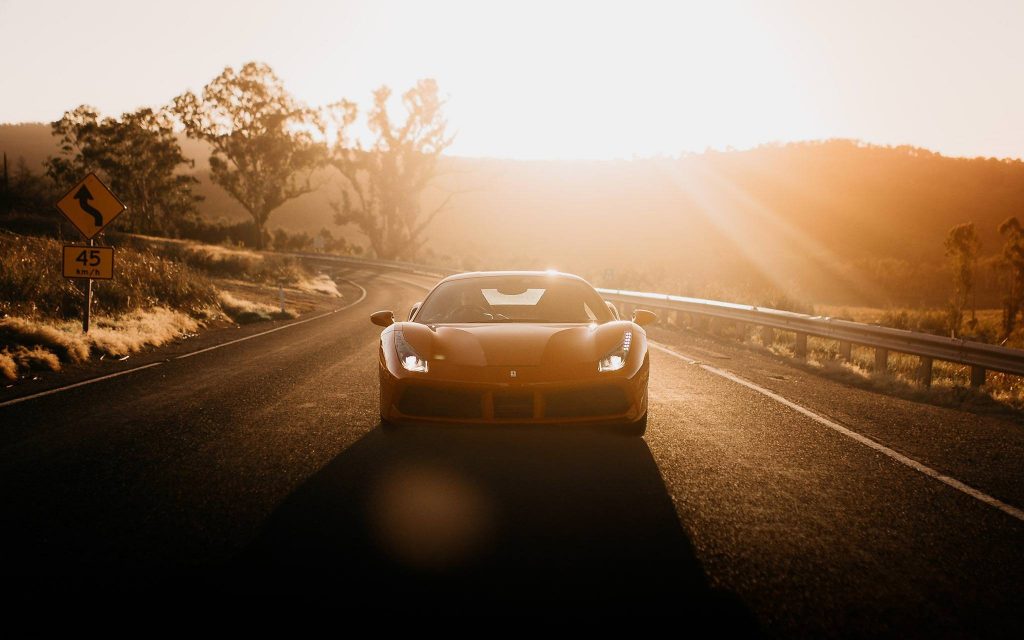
[(513, 299)]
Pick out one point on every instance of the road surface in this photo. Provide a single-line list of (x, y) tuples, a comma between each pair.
[(260, 465)]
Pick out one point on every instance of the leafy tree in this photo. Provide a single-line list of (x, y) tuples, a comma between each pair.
[(962, 246), (81, 146), (384, 183), (31, 191), (264, 153), (1012, 260), (138, 155)]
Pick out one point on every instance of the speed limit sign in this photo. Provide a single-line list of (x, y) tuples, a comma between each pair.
[(96, 263)]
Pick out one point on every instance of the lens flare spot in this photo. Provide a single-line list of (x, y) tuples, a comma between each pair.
[(431, 519)]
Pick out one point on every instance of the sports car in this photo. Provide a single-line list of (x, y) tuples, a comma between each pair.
[(515, 347)]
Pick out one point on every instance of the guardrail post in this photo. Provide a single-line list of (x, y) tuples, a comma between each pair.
[(881, 359), (845, 350), (767, 336), (744, 331), (924, 371), (800, 346), (977, 376)]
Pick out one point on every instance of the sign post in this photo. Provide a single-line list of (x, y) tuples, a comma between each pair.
[(88, 301), (90, 206)]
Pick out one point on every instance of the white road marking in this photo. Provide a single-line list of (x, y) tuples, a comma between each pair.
[(864, 440), (48, 392)]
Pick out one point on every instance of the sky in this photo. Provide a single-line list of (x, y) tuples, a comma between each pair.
[(558, 79)]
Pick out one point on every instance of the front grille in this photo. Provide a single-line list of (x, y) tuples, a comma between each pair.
[(513, 405), (588, 402), (440, 403)]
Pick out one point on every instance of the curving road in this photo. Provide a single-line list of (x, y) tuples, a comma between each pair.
[(260, 465)]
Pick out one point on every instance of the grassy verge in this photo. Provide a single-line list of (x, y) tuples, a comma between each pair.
[(950, 382), (237, 263), (162, 290)]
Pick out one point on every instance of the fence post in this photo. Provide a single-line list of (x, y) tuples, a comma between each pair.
[(881, 359), (924, 371), (845, 350), (800, 346), (767, 336), (977, 376)]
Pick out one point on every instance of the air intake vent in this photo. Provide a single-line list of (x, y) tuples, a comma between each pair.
[(586, 403), (510, 406), (440, 403)]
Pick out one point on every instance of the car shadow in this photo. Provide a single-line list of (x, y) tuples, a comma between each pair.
[(490, 515)]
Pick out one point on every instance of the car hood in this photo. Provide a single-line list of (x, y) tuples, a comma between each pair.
[(513, 344)]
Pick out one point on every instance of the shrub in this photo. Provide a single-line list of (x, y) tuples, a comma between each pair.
[(31, 284)]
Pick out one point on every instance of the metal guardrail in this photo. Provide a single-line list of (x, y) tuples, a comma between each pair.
[(979, 356)]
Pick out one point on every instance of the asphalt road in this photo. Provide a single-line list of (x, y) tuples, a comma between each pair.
[(261, 467)]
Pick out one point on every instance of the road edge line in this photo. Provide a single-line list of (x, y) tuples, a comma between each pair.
[(853, 435)]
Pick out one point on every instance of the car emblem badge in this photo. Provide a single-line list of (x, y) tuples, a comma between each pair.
[(512, 373)]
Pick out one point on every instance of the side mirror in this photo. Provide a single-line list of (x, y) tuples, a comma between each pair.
[(614, 310), (415, 308), (383, 318), (644, 317)]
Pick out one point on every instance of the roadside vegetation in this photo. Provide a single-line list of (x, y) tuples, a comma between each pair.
[(950, 381), (163, 290)]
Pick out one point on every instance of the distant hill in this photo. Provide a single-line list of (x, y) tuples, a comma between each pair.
[(833, 221)]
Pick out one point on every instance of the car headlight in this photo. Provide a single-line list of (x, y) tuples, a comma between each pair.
[(616, 358), (411, 361)]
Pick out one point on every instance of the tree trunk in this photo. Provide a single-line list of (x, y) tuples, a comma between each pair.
[(259, 233)]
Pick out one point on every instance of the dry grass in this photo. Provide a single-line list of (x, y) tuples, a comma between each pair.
[(33, 344), (950, 384), (246, 311), (321, 284), (135, 331), (161, 291), (32, 286), (27, 332), (18, 358), (229, 262)]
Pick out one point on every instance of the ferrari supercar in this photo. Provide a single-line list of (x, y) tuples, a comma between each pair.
[(514, 347)]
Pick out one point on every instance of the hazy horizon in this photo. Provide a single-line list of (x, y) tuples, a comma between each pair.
[(585, 81)]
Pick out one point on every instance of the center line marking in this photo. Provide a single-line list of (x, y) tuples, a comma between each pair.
[(864, 440)]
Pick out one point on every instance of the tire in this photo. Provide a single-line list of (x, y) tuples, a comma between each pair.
[(634, 429)]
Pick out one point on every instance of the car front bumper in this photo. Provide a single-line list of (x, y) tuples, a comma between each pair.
[(601, 398)]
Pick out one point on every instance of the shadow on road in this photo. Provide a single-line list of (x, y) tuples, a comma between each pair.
[(490, 515)]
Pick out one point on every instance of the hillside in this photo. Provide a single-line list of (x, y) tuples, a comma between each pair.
[(829, 222)]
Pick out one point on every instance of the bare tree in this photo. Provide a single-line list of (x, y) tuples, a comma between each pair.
[(962, 245), (385, 182), (264, 153)]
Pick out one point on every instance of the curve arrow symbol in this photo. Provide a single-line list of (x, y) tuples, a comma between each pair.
[(84, 196)]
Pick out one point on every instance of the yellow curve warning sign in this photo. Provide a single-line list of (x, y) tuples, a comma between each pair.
[(95, 263), (90, 206)]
